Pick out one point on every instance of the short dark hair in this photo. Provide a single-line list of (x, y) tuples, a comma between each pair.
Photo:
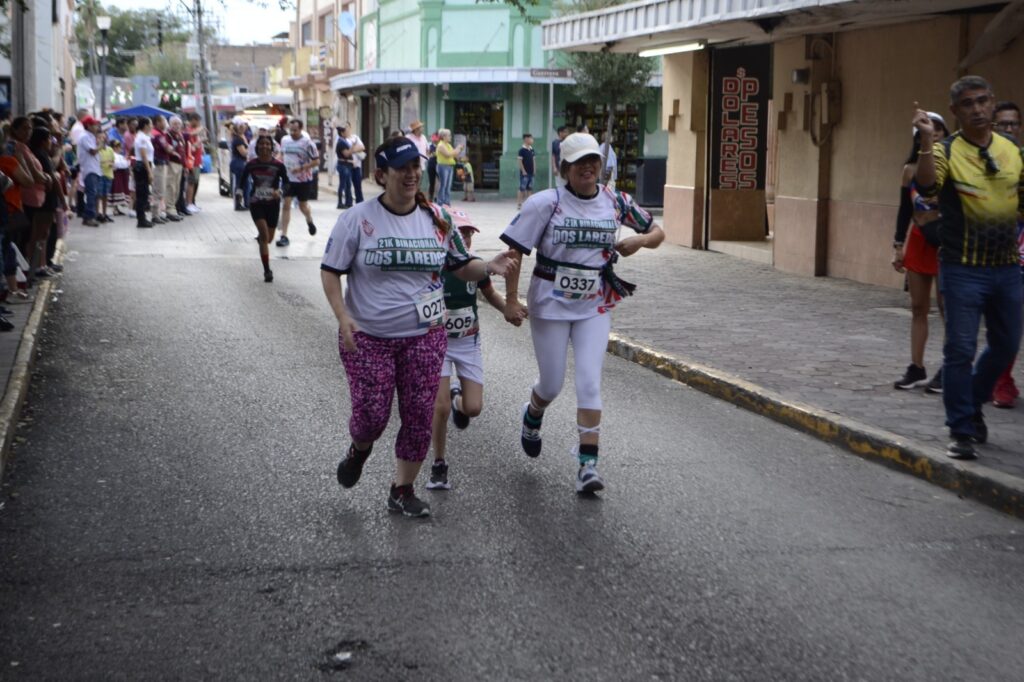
[(967, 83), (581, 127), (119, 120), (142, 121), (526, 135), (295, 120), (562, 128), (1007, 106)]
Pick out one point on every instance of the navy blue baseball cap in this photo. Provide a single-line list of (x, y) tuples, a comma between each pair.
[(396, 156)]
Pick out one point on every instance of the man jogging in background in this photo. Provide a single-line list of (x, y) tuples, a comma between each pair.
[(977, 176), (300, 158)]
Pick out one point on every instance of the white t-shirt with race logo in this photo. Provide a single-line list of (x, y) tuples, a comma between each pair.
[(572, 231), (297, 153), (394, 265)]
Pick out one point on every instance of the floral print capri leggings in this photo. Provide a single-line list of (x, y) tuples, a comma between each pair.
[(413, 366)]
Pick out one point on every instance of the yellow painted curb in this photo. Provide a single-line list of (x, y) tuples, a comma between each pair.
[(21, 371), (968, 479)]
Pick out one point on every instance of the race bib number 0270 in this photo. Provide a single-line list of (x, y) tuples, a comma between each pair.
[(430, 308), (575, 284)]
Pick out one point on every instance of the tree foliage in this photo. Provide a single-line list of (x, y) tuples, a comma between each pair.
[(611, 78), (169, 66), (131, 31)]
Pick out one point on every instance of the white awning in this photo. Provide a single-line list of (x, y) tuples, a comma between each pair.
[(355, 80), (364, 80), (650, 24)]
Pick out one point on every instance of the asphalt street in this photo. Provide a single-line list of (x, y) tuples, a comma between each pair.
[(172, 511)]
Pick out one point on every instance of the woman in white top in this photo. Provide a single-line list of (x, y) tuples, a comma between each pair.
[(143, 170), (573, 289), (391, 332)]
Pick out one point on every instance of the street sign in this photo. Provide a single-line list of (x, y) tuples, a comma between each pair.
[(551, 73)]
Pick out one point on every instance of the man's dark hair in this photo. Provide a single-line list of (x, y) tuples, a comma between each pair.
[(562, 128), (1007, 106), (526, 135), (581, 127), (142, 122), (967, 83), (295, 120), (119, 121)]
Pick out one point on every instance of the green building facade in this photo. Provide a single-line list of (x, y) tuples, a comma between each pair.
[(478, 70)]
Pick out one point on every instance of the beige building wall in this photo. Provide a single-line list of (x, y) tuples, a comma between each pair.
[(796, 193), (883, 71), (684, 107)]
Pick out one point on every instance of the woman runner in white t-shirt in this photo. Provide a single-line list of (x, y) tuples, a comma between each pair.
[(573, 289), (391, 331)]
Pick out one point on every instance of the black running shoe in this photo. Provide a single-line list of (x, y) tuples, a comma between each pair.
[(914, 376), (459, 418), (935, 385), (350, 468), (282, 241), (530, 436), (980, 428), (403, 499), (439, 476), (268, 276), (961, 447), (312, 229)]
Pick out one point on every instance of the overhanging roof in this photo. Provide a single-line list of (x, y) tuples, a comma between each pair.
[(658, 23), (354, 80)]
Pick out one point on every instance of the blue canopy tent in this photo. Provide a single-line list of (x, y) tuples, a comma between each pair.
[(141, 110)]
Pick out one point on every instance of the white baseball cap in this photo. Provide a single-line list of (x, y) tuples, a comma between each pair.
[(578, 145), (935, 117)]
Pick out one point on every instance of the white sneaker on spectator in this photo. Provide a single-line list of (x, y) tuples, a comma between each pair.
[(131, 214), (192, 209)]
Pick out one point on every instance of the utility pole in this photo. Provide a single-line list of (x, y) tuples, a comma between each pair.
[(204, 86)]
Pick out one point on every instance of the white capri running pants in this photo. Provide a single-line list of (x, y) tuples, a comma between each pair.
[(589, 339)]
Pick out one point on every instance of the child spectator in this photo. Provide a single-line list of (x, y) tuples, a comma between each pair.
[(121, 187), (467, 179), (106, 183)]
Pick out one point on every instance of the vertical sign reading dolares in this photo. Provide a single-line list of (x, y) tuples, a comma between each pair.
[(741, 80)]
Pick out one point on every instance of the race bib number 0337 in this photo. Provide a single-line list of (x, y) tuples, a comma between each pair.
[(576, 284)]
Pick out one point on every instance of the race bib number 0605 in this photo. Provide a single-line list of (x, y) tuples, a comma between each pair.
[(461, 322)]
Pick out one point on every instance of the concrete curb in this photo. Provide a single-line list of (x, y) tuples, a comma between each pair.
[(21, 371), (967, 479)]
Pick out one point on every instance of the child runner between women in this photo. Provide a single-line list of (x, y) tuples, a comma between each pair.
[(391, 335), (463, 400), (268, 179), (573, 289)]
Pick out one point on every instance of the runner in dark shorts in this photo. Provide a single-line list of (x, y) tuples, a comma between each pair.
[(303, 191), (269, 178)]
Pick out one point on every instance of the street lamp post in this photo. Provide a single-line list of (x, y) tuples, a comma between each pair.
[(103, 24)]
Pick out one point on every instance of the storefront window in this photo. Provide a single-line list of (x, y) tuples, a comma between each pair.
[(628, 136), (483, 124)]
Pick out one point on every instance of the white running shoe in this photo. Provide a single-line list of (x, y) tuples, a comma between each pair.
[(191, 209), (588, 480)]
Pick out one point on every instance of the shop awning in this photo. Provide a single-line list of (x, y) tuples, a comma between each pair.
[(365, 80), (651, 24), (354, 80)]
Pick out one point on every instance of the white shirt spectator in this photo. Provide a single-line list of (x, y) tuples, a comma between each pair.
[(89, 163)]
